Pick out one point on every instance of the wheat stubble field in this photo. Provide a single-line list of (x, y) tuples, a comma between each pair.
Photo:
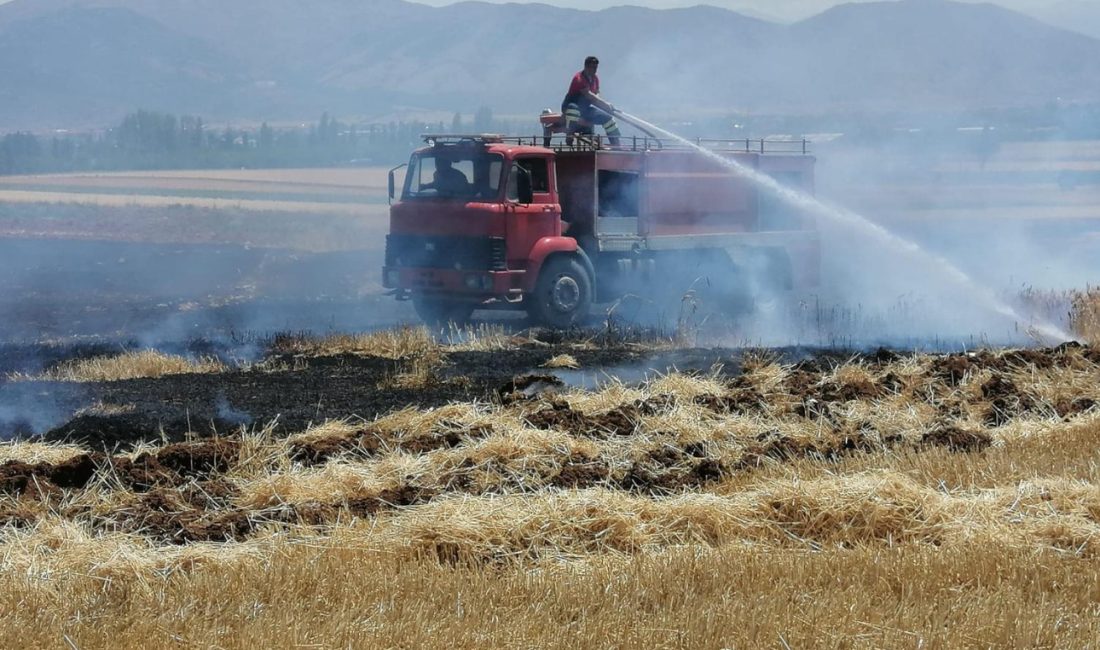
[(879, 500), (206, 481)]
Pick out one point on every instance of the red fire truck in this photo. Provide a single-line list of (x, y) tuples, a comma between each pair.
[(491, 222)]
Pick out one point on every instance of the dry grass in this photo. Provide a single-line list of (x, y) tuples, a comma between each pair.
[(482, 337), (731, 597), (130, 365), (879, 558), (1077, 311), (876, 509), (390, 344), (402, 343), (562, 361), (37, 452), (1085, 315), (356, 595), (470, 525)]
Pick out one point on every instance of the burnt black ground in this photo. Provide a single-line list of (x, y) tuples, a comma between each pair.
[(290, 393), (62, 300), (72, 299), (66, 299), (309, 391)]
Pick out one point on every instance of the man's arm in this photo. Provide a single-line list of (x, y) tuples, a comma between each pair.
[(600, 102)]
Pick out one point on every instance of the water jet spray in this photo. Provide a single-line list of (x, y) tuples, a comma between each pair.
[(1044, 332)]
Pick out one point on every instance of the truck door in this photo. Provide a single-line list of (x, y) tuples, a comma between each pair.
[(530, 221)]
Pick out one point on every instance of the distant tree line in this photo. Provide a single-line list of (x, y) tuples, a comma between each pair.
[(153, 140)]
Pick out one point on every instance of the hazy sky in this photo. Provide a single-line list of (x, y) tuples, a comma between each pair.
[(777, 9)]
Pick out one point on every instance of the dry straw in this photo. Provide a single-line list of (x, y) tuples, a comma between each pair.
[(130, 365), (562, 361), (835, 517)]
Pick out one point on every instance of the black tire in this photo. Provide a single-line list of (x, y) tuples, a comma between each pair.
[(439, 312), (563, 293)]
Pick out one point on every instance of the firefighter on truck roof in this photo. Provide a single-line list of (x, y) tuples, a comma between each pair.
[(583, 102)]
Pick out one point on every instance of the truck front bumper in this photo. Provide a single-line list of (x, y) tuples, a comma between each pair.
[(460, 284)]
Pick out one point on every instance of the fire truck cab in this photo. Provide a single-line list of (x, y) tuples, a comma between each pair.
[(491, 222)]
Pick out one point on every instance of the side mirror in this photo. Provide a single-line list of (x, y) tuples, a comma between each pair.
[(392, 182)]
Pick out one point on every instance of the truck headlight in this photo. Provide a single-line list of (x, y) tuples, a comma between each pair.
[(391, 278), (472, 281)]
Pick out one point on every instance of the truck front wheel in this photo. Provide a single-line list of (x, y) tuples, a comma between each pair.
[(562, 295), (440, 312)]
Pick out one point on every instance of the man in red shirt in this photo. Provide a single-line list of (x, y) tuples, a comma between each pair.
[(583, 102)]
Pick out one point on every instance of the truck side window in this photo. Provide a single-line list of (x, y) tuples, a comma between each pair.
[(540, 176), (425, 172)]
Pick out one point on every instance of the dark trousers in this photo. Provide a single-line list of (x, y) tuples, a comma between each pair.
[(581, 111)]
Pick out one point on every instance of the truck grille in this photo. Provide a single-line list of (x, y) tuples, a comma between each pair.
[(461, 253)]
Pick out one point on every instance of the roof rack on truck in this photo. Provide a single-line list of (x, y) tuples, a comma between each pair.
[(584, 142), (581, 142), (433, 139)]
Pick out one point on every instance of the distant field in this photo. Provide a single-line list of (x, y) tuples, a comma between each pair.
[(973, 203), (1074, 155), (309, 209), (338, 191), (960, 188), (957, 189)]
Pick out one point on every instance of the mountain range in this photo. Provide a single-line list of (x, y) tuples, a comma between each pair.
[(1079, 15), (81, 63)]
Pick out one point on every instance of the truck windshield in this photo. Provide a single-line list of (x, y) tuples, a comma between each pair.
[(454, 174)]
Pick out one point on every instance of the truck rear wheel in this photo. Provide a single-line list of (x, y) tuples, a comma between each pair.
[(440, 312), (562, 295)]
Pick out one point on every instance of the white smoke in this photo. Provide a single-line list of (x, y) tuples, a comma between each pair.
[(880, 287)]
